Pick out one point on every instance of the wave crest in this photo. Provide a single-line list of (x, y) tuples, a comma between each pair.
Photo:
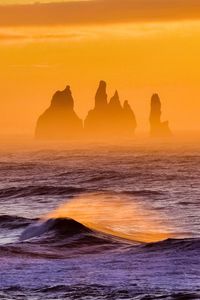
[(14, 222), (59, 227)]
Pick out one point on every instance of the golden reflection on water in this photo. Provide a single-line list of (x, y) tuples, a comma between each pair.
[(120, 216)]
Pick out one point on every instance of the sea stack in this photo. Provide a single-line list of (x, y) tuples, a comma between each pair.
[(101, 96), (157, 127), (130, 123), (109, 119), (95, 124), (59, 121)]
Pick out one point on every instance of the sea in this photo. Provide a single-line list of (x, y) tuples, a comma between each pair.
[(100, 221)]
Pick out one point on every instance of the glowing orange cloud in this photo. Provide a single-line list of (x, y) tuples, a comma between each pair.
[(98, 11)]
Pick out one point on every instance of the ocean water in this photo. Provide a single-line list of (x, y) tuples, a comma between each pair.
[(100, 222)]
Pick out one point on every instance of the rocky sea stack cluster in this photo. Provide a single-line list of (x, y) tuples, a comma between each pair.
[(108, 119)]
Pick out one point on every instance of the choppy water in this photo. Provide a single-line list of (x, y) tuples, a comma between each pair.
[(117, 222)]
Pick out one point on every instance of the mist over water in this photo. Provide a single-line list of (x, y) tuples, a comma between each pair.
[(118, 215)]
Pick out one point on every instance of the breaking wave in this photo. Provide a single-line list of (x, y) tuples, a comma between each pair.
[(117, 215), (94, 223), (64, 238)]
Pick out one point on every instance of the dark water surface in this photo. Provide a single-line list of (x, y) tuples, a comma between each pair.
[(118, 222)]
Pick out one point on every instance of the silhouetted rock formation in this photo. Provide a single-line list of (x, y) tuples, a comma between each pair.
[(129, 119), (60, 121), (101, 96), (158, 128), (109, 120), (95, 123)]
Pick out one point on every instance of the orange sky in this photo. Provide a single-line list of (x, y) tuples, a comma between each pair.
[(137, 48)]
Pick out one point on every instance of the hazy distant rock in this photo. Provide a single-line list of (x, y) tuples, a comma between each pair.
[(158, 128), (109, 120), (101, 96), (95, 124), (115, 105), (60, 121), (130, 123), (106, 121)]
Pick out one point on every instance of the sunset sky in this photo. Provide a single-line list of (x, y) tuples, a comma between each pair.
[(139, 47)]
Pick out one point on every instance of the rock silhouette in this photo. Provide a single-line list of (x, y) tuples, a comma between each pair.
[(101, 96), (157, 127), (96, 122), (109, 120), (60, 121)]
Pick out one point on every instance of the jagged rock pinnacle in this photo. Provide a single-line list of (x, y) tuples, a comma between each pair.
[(158, 128), (59, 121), (115, 102), (101, 95)]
